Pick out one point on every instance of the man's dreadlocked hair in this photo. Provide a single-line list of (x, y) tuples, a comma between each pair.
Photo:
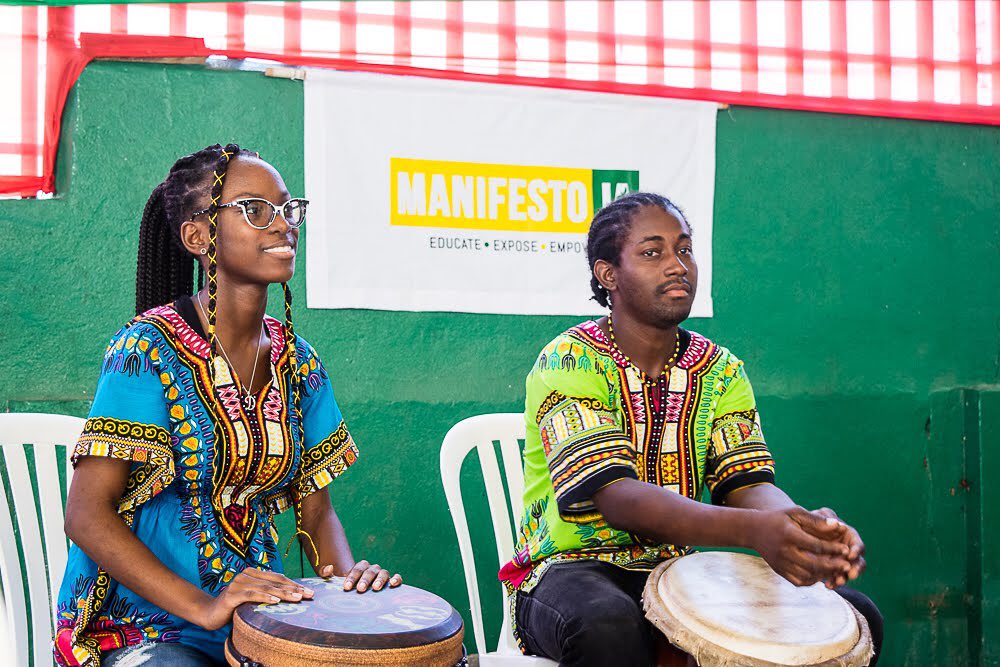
[(611, 224), (165, 268)]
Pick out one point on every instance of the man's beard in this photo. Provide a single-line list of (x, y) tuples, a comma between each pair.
[(668, 317)]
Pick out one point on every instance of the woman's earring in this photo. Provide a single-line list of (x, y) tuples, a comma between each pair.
[(204, 251)]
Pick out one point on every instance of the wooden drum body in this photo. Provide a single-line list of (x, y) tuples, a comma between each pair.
[(728, 610), (396, 627)]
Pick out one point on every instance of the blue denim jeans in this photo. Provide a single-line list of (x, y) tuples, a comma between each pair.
[(589, 614), (158, 654)]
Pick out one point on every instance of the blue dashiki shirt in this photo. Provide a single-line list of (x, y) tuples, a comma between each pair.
[(207, 476)]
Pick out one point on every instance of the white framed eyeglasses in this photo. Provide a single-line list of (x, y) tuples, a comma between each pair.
[(259, 213)]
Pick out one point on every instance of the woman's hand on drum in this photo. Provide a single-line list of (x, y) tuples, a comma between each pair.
[(856, 549), (250, 585), (364, 576), (801, 546)]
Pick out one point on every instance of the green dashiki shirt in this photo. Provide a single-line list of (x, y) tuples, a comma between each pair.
[(593, 418)]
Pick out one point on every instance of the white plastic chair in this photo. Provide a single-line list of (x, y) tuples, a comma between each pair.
[(31, 578), (478, 433)]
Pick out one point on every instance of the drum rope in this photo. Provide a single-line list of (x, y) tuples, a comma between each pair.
[(243, 660)]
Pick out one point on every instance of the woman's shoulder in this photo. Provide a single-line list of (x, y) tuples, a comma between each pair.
[(138, 347), (304, 348), (144, 328), (309, 366), (304, 351)]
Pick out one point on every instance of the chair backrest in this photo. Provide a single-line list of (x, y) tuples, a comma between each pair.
[(33, 545), (479, 433)]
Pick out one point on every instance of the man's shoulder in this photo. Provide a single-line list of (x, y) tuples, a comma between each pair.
[(587, 334), (582, 344), (577, 360), (701, 347)]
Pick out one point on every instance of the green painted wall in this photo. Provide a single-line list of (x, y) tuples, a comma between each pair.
[(855, 272)]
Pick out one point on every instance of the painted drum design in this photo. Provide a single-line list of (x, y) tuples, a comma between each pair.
[(401, 627)]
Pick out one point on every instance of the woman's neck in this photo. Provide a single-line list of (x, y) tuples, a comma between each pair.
[(239, 311)]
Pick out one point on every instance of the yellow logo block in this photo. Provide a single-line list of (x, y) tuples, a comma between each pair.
[(504, 197)]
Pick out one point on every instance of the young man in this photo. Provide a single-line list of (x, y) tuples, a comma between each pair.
[(629, 419)]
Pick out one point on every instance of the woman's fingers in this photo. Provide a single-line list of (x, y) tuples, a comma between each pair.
[(351, 580), (368, 577), (234, 595), (283, 593), (251, 595), (277, 592), (381, 580), (257, 578), (274, 578)]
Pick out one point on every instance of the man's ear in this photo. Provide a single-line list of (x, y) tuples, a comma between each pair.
[(604, 271)]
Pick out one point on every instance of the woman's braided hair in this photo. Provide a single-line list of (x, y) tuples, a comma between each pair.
[(609, 227), (165, 268)]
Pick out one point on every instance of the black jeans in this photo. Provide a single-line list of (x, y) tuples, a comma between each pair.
[(590, 613)]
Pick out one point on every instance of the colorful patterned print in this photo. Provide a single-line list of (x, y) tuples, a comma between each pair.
[(591, 420), (207, 476)]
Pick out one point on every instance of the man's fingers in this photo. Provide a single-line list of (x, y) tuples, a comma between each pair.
[(820, 568), (396, 580), (826, 527), (833, 563), (797, 574), (857, 547), (857, 567), (807, 542)]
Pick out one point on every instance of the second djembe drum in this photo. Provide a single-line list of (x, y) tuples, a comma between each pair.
[(733, 610)]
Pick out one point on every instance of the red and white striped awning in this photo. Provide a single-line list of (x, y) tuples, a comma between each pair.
[(923, 59)]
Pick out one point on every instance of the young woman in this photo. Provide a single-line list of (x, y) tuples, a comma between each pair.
[(209, 418)]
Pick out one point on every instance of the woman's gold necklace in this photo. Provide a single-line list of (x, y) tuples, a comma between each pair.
[(642, 373), (248, 399)]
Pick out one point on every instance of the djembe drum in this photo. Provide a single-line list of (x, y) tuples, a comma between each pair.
[(395, 627), (732, 610)]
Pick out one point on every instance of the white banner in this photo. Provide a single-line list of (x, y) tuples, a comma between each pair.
[(431, 195)]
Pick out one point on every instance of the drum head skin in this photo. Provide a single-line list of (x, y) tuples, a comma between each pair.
[(733, 609), (391, 618)]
